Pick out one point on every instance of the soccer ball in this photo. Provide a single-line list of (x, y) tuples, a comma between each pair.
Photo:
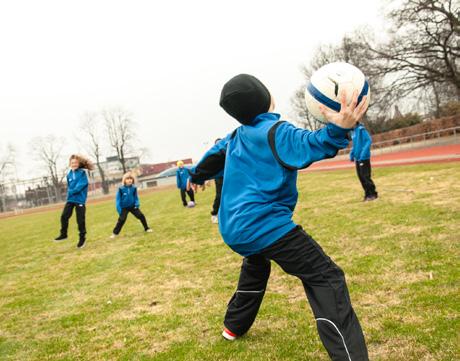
[(191, 204), (327, 83)]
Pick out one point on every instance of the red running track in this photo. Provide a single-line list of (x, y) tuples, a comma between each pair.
[(436, 154)]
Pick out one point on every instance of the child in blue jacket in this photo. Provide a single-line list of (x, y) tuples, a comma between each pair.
[(361, 155), (182, 176), (127, 202), (259, 163), (77, 191)]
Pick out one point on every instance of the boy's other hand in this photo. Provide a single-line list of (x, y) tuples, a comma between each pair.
[(349, 114)]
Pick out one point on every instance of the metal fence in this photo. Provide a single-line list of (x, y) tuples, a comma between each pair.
[(415, 140), (35, 192)]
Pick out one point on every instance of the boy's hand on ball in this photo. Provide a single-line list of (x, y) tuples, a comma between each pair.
[(349, 114)]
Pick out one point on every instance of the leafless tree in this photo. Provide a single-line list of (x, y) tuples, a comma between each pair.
[(422, 55), (417, 67), (90, 125), (6, 161), (48, 150), (120, 128)]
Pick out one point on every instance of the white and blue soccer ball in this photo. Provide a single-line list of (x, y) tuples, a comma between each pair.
[(191, 204), (327, 83)]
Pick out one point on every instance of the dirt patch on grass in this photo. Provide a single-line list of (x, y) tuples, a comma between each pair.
[(401, 349)]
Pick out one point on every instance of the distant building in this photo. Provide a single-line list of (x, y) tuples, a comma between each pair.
[(156, 175), (148, 169), (113, 170), (144, 172)]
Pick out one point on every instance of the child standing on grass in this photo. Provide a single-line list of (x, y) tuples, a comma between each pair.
[(259, 162), (77, 191), (127, 201), (182, 176), (361, 155)]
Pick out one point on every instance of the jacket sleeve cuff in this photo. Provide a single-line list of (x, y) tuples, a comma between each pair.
[(335, 131)]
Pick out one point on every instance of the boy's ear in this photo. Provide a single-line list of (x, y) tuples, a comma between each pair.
[(272, 104)]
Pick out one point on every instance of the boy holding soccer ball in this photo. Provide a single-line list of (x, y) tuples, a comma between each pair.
[(259, 162)]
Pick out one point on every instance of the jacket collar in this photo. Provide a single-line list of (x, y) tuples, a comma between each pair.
[(266, 116)]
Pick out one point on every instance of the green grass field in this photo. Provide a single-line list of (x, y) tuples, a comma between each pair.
[(162, 296)]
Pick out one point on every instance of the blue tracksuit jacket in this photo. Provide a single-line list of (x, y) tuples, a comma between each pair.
[(77, 186), (127, 198), (182, 174), (259, 163), (362, 142)]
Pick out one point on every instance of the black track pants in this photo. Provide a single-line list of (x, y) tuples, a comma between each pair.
[(216, 204), (190, 194), (124, 214), (363, 169), (80, 210), (324, 283)]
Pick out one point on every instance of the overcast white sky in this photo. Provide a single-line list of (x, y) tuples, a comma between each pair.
[(165, 61)]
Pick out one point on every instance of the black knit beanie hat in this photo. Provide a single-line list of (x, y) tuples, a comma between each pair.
[(244, 97)]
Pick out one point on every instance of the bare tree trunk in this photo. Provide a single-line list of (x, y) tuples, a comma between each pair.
[(437, 111), (123, 161), (120, 130), (105, 185)]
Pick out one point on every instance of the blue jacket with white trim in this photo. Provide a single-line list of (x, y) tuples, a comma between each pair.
[(77, 186), (259, 163), (127, 198), (182, 175), (362, 142)]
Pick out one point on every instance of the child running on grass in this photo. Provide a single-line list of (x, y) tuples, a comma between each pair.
[(259, 162), (77, 191), (127, 201)]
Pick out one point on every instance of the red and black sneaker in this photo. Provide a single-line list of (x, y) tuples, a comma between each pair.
[(229, 335)]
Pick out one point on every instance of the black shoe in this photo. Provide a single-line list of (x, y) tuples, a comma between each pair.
[(370, 198), (61, 237), (81, 243)]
